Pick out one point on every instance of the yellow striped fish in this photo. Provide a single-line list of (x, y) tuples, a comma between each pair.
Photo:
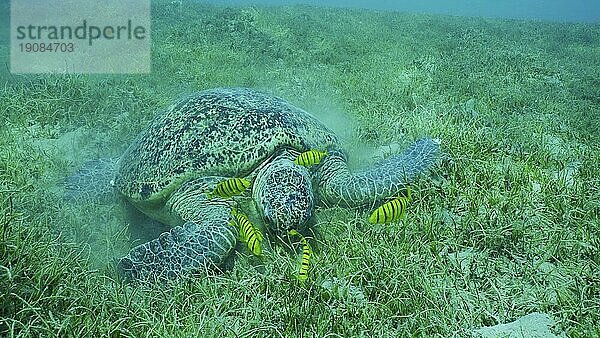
[(392, 210), (229, 187), (306, 252), (310, 157), (249, 234)]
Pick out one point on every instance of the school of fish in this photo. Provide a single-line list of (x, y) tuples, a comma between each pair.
[(388, 212)]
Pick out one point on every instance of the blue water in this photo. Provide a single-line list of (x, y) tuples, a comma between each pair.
[(549, 10)]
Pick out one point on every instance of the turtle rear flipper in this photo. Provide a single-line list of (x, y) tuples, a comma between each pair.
[(92, 182)]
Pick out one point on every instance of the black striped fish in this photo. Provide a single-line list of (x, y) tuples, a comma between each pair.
[(306, 252), (392, 210), (249, 234), (310, 157), (229, 187)]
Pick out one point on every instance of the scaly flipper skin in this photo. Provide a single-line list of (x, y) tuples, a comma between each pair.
[(338, 186), (92, 183), (203, 242)]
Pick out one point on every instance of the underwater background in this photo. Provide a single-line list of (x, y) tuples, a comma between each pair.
[(505, 229), (551, 10)]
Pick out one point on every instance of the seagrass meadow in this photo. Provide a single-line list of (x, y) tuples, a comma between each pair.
[(506, 224)]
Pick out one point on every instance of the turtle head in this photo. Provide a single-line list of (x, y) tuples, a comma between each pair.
[(284, 196)]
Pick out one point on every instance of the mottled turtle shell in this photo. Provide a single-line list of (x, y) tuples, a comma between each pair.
[(225, 132)]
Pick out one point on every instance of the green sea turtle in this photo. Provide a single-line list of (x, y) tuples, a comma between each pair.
[(224, 133)]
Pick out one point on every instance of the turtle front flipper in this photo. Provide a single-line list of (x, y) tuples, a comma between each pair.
[(338, 186), (194, 246), (203, 242)]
